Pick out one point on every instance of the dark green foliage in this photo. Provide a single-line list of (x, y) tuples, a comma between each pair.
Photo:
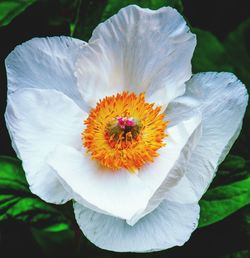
[(114, 6), (10, 9), (209, 54), (229, 191), (18, 203), (239, 254), (49, 227), (233, 169), (222, 201), (87, 17), (237, 45)]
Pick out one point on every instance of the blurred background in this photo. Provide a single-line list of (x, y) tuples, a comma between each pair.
[(31, 228)]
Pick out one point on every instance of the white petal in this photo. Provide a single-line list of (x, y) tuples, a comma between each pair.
[(37, 121), (120, 194), (45, 63), (96, 188), (222, 99), (182, 192), (169, 225), (137, 50), (168, 177)]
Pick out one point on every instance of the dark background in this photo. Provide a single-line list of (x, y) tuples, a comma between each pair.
[(222, 239)]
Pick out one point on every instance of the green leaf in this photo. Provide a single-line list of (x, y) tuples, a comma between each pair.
[(55, 240), (177, 4), (18, 203), (233, 168), (50, 228), (113, 6), (10, 9), (12, 176), (233, 162), (222, 201), (237, 45), (89, 13), (209, 54)]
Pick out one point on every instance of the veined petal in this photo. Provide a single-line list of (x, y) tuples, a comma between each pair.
[(37, 121), (120, 194), (137, 50), (164, 182), (183, 192), (99, 189), (171, 224), (45, 63), (222, 100)]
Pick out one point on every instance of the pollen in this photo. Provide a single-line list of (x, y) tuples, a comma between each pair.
[(124, 132)]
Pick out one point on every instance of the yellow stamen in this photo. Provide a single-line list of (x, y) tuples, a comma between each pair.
[(124, 131)]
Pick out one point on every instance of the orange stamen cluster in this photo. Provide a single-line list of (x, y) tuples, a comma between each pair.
[(124, 131)]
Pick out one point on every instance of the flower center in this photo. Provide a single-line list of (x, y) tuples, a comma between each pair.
[(124, 131), (121, 132)]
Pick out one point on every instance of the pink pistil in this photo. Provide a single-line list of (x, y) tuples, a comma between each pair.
[(125, 121)]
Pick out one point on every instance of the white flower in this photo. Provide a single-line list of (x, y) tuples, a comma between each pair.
[(126, 198)]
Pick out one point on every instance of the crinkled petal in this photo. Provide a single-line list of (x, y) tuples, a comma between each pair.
[(222, 100), (183, 192), (164, 181), (45, 63), (37, 121), (121, 194), (171, 224), (137, 50)]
